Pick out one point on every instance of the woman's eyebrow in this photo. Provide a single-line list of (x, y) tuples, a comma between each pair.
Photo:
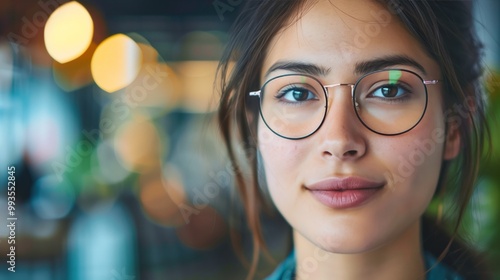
[(360, 68), (365, 67), (299, 67)]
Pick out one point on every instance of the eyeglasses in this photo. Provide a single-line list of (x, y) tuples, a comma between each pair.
[(387, 102)]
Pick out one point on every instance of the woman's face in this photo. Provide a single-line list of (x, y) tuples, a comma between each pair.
[(390, 179)]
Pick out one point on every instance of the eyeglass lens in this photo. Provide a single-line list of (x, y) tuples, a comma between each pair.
[(387, 102)]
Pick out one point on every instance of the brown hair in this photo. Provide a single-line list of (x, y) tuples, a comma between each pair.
[(446, 31)]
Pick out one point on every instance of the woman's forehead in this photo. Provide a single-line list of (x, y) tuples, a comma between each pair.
[(339, 34)]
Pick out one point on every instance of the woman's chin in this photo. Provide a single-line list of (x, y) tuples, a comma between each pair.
[(336, 243)]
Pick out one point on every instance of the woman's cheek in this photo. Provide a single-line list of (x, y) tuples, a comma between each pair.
[(413, 164), (282, 165)]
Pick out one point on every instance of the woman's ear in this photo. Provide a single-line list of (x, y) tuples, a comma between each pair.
[(452, 144)]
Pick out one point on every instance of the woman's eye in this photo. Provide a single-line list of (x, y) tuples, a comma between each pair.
[(296, 95), (389, 91)]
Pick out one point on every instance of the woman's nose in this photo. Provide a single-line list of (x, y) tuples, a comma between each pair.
[(342, 135)]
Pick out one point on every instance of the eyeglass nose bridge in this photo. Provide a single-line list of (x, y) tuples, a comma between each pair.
[(340, 85), (326, 87)]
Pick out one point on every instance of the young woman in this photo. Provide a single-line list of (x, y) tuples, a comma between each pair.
[(359, 113)]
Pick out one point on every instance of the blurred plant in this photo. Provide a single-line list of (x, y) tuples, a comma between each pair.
[(480, 223), (490, 177)]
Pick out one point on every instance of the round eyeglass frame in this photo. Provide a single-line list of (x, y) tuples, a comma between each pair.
[(354, 103)]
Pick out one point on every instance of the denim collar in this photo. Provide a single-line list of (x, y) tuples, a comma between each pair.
[(438, 271)]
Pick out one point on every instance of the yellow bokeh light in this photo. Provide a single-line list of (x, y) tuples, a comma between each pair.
[(197, 81), (156, 87), (116, 62), (138, 145), (76, 73), (68, 32)]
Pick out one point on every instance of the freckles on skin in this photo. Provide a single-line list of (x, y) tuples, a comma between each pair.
[(291, 164), (412, 167), (420, 154), (280, 156)]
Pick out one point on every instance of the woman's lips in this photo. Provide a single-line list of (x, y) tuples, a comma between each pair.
[(341, 193)]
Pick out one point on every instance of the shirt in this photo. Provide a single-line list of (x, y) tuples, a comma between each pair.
[(286, 270)]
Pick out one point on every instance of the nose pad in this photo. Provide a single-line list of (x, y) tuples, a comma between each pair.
[(356, 104)]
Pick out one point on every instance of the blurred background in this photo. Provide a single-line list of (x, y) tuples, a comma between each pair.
[(107, 115)]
